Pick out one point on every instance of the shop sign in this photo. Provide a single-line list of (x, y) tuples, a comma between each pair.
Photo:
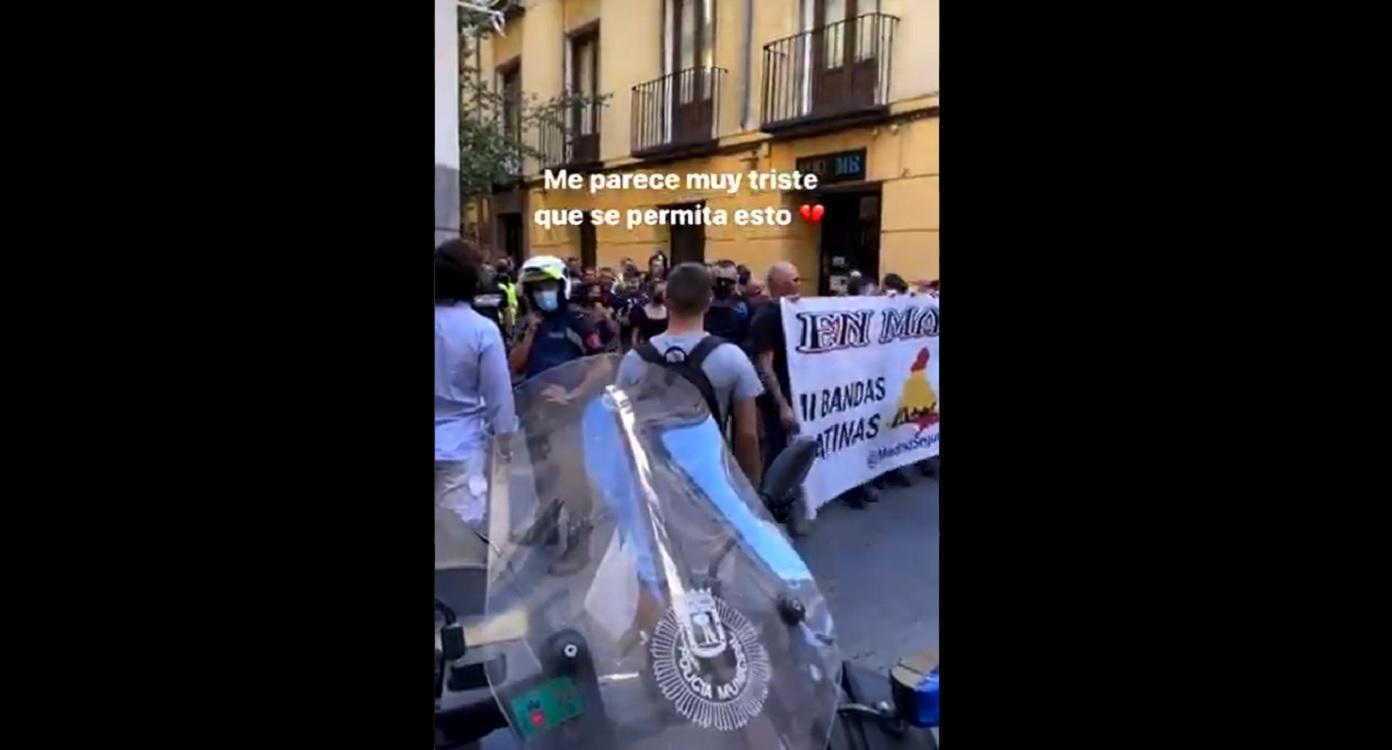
[(843, 166)]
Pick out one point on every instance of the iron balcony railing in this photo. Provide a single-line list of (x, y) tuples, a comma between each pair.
[(572, 141), (678, 110), (512, 163), (509, 122), (838, 69)]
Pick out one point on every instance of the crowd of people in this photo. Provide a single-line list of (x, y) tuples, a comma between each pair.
[(497, 324)]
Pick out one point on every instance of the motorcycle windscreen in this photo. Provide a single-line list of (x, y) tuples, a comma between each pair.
[(663, 607)]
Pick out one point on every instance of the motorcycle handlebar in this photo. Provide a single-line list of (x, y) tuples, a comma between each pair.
[(509, 626)]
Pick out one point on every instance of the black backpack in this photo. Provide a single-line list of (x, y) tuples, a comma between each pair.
[(689, 367)]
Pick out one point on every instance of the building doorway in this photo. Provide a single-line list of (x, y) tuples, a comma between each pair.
[(850, 239), (589, 246), (510, 237), (688, 241)]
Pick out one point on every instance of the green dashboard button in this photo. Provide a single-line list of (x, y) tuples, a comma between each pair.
[(550, 704)]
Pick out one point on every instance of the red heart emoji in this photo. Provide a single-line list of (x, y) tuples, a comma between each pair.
[(812, 213)]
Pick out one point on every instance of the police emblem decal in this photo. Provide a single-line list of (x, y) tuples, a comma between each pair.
[(709, 663)]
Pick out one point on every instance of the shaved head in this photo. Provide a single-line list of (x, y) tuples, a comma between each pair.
[(783, 279)]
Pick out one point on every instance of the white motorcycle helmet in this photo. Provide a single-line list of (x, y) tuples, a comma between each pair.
[(545, 268)]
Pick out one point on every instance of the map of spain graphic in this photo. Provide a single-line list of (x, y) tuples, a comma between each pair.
[(918, 404)]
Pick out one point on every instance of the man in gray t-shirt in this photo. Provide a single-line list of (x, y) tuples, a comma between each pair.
[(730, 372), (728, 368)]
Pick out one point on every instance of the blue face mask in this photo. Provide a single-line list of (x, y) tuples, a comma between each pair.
[(547, 300)]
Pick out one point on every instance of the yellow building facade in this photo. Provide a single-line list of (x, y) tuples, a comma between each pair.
[(845, 89)]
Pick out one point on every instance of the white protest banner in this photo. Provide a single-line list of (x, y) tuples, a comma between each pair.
[(864, 373)]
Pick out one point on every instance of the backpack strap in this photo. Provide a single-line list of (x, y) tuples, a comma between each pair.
[(689, 367), (649, 353), (695, 358), (703, 348)]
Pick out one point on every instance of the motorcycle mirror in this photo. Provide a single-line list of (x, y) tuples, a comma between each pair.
[(786, 473)]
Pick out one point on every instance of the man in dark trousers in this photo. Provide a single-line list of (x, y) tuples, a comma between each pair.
[(553, 334), (771, 357)]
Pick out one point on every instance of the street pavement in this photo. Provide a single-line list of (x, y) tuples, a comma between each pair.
[(878, 569)]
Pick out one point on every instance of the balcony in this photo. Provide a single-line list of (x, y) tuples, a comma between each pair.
[(831, 76), (573, 143), (510, 165), (677, 114)]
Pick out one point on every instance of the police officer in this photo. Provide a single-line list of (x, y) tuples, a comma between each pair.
[(503, 277), (556, 333)]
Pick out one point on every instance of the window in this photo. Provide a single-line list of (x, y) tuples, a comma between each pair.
[(510, 84), (833, 46), (584, 67), (690, 38), (843, 57), (846, 42), (691, 44)]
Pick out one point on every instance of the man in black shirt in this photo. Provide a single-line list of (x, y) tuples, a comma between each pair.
[(770, 349), (628, 298), (728, 316), (771, 357)]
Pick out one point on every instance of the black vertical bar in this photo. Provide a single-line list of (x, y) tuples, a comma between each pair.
[(888, 67), (881, 51), (715, 103), (808, 62), (771, 113), (786, 75), (800, 80), (797, 72), (789, 77), (779, 82), (847, 39), (888, 41), (763, 89), (775, 102)]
